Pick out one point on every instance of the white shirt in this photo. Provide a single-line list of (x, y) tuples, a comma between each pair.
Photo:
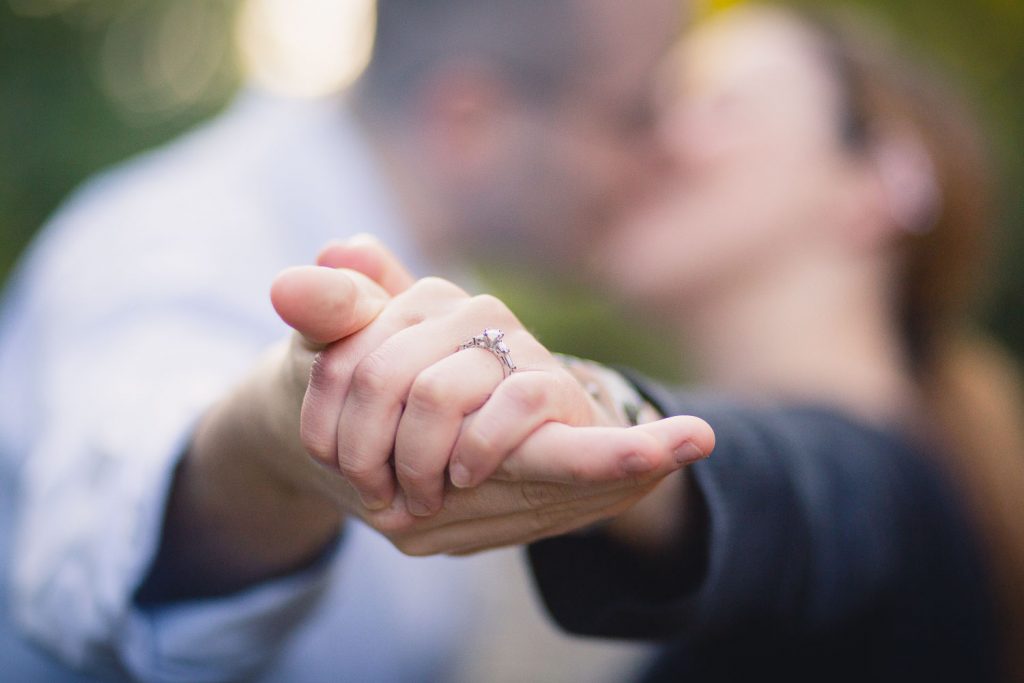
[(143, 302)]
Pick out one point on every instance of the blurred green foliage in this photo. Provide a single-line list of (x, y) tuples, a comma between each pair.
[(85, 83)]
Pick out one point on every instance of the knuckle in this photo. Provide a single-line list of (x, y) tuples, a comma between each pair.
[(493, 307), (356, 468), (429, 394), (527, 394), (325, 372), (476, 445), (438, 287), (318, 447), (372, 377), (411, 317), (411, 471)]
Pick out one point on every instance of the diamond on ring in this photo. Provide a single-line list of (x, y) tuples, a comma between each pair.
[(493, 340)]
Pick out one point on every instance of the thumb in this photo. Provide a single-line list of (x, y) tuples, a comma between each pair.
[(366, 254), (576, 455), (325, 305)]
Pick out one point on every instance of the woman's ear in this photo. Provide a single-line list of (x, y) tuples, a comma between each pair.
[(906, 176)]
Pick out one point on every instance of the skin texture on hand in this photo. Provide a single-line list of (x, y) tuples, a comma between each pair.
[(390, 406), (364, 411), (632, 465)]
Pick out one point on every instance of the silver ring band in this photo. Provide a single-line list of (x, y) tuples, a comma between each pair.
[(493, 340)]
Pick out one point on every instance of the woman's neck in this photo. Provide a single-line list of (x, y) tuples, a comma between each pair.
[(822, 337)]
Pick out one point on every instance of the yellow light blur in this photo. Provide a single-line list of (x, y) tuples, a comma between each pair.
[(709, 7), (305, 48)]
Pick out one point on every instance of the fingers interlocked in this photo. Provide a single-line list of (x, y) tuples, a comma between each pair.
[(391, 404), (406, 392)]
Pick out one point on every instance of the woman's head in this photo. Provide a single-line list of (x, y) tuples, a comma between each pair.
[(799, 146), (808, 146)]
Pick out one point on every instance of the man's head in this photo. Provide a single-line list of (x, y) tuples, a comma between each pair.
[(529, 122)]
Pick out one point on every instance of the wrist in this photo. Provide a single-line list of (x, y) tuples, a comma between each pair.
[(245, 505)]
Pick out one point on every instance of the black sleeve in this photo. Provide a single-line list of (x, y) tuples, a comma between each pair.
[(812, 521)]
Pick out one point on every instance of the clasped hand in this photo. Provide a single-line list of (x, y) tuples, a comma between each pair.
[(441, 451)]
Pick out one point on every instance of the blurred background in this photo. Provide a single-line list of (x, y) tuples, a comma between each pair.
[(86, 83)]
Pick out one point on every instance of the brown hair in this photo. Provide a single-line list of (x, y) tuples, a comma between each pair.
[(973, 391)]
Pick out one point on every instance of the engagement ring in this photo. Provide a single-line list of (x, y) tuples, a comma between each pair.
[(492, 340)]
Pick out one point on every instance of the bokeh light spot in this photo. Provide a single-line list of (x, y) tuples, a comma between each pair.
[(305, 48)]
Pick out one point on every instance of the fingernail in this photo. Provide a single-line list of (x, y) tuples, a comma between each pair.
[(418, 508), (373, 503), (688, 453), (460, 475), (635, 463)]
